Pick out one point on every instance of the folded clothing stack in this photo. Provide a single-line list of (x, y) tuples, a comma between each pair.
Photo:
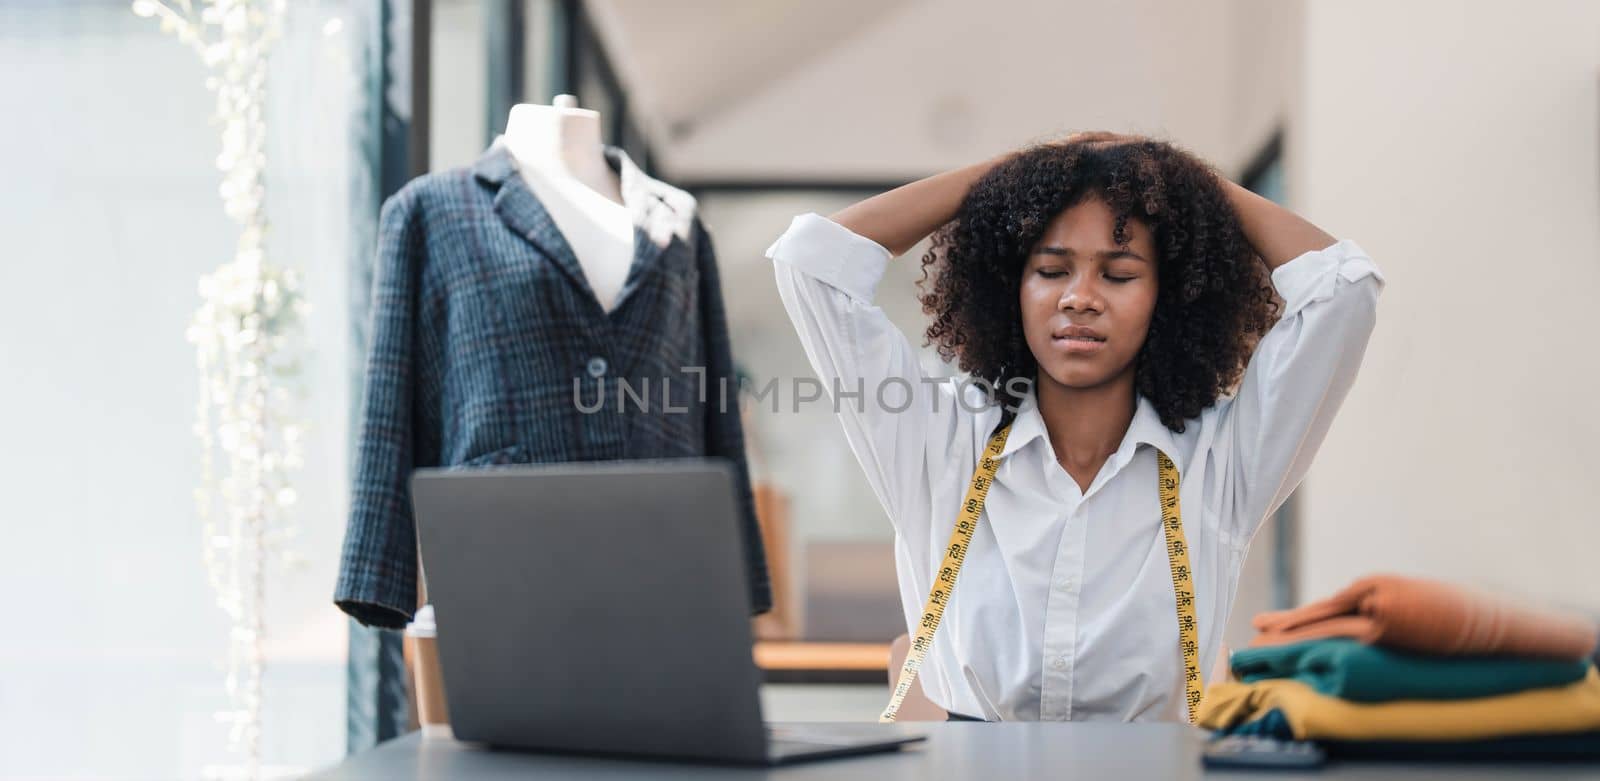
[(1400, 667)]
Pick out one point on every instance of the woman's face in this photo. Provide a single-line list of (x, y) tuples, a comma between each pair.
[(1078, 280)]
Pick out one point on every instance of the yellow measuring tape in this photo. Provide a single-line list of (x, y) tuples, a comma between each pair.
[(1182, 583), (956, 552)]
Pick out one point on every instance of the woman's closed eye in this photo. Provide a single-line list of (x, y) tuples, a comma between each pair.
[(1054, 273)]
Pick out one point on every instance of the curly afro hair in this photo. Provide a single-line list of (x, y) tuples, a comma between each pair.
[(1215, 298)]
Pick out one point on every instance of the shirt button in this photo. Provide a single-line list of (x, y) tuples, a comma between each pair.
[(1059, 663), (597, 366)]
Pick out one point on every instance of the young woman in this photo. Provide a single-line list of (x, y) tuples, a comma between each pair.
[(1103, 294)]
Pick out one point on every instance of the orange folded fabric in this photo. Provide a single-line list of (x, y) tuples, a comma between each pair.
[(1431, 617)]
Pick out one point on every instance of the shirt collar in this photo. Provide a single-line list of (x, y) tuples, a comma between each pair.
[(662, 210), (1146, 428)]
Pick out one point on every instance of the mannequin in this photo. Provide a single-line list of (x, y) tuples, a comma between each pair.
[(552, 227), (558, 153)]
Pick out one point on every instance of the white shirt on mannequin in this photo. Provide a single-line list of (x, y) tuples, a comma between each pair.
[(558, 153)]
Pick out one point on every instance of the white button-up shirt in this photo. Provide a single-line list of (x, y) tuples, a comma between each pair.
[(1064, 608)]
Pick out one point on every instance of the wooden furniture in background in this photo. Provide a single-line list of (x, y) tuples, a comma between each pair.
[(802, 662), (850, 593), (772, 514)]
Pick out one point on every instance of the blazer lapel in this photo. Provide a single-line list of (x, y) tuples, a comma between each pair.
[(661, 214), (521, 210)]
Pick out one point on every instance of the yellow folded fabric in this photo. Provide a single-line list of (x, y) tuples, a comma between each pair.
[(1554, 710)]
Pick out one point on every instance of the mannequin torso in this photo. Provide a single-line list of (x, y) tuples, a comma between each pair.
[(558, 153)]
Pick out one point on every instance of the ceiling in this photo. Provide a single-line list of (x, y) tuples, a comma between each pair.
[(841, 90), (688, 60)]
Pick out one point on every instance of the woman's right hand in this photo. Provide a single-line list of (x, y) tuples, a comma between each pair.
[(1102, 138), (901, 217)]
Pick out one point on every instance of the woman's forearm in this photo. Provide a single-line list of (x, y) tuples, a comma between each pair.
[(901, 217), (1277, 234)]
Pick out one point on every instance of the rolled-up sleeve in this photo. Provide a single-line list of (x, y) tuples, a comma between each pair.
[(1298, 377), (827, 276)]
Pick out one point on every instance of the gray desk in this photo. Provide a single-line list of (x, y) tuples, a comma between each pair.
[(990, 752)]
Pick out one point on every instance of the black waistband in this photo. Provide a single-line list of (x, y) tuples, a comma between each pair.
[(953, 716)]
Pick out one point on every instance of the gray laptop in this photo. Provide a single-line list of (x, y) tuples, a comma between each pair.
[(602, 608)]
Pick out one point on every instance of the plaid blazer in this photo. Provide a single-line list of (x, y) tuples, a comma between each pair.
[(488, 346)]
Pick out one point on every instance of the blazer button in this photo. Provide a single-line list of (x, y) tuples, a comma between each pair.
[(597, 366)]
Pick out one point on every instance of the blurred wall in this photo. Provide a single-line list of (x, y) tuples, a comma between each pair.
[(1457, 143)]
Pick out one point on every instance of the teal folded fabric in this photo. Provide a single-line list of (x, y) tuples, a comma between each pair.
[(1367, 673)]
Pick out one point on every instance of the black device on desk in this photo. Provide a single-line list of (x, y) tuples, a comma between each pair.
[(602, 608)]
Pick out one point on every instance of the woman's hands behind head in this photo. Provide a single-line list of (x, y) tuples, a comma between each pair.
[(1102, 138)]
